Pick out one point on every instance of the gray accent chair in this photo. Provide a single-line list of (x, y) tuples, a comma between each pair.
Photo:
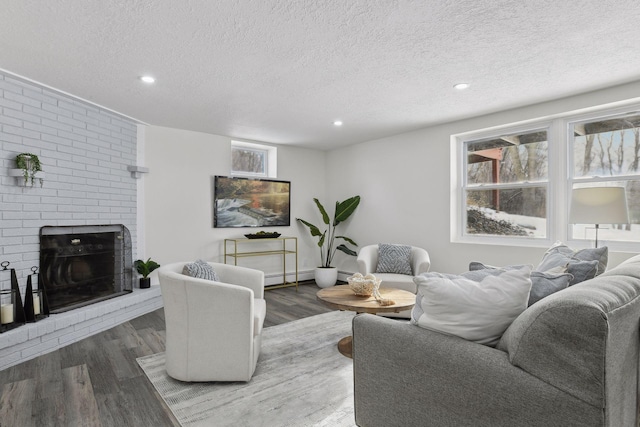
[(570, 359)]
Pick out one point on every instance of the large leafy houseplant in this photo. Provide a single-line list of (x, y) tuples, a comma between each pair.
[(327, 237)]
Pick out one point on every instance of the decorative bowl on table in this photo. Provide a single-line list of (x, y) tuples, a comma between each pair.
[(363, 286), (262, 235)]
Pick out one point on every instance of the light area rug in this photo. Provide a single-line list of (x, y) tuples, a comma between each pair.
[(301, 380)]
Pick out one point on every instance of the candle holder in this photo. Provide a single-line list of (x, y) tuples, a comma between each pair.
[(36, 306), (7, 307), (11, 310)]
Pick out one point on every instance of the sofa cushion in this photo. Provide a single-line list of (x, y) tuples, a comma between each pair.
[(579, 263), (397, 281), (200, 270), (542, 283), (394, 259), (476, 310)]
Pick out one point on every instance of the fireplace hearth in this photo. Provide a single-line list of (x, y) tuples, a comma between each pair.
[(82, 265)]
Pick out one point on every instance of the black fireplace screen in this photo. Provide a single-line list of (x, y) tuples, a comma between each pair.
[(82, 265)]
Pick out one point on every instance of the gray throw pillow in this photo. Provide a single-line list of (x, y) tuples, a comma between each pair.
[(200, 270), (543, 283), (475, 265), (582, 270), (560, 254), (394, 259)]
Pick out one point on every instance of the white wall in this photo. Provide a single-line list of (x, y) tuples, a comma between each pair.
[(404, 184), (403, 181), (178, 197)]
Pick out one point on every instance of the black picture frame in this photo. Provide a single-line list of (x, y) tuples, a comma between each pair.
[(251, 202)]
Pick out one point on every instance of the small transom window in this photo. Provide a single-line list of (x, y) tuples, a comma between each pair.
[(254, 160)]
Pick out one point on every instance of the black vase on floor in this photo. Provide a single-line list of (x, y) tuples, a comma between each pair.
[(145, 282)]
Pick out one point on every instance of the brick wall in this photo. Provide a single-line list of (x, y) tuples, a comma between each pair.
[(84, 151)]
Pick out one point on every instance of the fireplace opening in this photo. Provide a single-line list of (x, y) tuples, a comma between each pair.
[(82, 265)]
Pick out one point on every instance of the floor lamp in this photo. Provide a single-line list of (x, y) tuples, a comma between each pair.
[(599, 205)]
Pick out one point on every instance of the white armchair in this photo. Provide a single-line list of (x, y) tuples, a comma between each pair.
[(213, 328), (420, 263)]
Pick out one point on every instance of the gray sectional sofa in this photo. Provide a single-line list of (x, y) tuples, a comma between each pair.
[(571, 359)]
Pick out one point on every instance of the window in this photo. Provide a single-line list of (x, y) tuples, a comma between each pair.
[(506, 180), (606, 152), (513, 184), (254, 160)]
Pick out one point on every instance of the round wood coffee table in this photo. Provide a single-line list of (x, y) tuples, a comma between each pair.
[(342, 298)]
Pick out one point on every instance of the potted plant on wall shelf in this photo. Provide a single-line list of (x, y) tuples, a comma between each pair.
[(29, 168), (326, 275), (145, 268)]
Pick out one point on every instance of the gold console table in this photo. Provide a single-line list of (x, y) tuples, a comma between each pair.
[(289, 247)]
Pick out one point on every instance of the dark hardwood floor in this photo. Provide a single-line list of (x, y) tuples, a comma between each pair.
[(97, 381)]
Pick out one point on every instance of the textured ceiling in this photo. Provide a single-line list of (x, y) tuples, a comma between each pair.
[(282, 71)]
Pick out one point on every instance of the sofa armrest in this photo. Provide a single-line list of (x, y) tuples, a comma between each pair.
[(408, 376)]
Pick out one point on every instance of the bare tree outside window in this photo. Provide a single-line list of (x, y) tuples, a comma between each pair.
[(254, 160), (248, 161)]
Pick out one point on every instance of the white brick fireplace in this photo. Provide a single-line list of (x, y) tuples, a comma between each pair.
[(85, 152)]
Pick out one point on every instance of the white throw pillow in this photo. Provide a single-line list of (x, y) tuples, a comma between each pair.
[(477, 311)]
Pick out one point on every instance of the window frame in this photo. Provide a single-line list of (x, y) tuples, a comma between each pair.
[(568, 123), (559, 184), (270, 155), (458, 231)]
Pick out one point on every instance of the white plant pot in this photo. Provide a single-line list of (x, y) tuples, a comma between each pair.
[(326, 276)]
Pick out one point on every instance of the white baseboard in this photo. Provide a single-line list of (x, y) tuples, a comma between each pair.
[(276, 279)]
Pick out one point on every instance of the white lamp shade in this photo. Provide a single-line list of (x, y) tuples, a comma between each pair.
[(599, 205)]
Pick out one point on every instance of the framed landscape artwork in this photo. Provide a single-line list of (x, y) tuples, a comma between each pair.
[(247, 202)]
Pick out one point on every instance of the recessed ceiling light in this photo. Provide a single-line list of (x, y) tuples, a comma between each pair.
[(147, 79), (461, 86), (337, 123)]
